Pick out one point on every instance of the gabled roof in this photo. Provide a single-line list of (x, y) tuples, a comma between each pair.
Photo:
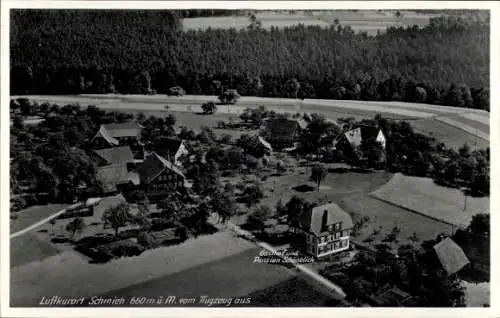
[(451, 256), (312, 220), (356, 135), (128, 129), (112, 175), (153, 166), (116, 155), (104, 133)]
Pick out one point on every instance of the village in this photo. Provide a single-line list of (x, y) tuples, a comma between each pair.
[(292, 180)]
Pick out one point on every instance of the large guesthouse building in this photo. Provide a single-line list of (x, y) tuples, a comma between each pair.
[(323, 230)]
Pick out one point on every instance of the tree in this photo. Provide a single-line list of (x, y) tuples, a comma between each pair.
[(318, 174), (209, 108), (223, 205), (252, 194), (295, 207), (372, 151), (480, 224), (18, 122), (75, 226), (117, 216), (256, 220)]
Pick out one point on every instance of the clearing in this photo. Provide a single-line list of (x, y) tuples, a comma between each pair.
[(359, 21)]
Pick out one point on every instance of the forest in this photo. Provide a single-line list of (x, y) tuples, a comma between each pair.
[(146, 52)]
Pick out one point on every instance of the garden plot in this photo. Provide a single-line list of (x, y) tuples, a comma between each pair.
[(423, 196)]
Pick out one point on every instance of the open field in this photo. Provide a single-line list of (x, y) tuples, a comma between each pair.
[(469, 125), (424, 196), (70, 275), (31, 215), (384, 216), (451, 136), (360, 21), (294, 292), (233, 276), (29, 248)]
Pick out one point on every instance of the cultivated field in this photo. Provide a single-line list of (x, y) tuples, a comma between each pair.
[(425, 197), (233, 276), (360, 21), (70, 275)]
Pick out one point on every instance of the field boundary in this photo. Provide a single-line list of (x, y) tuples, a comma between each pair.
[(416, 212), (463, 127), (42, 222)]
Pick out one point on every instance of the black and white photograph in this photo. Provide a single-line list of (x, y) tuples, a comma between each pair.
[(246, 156)]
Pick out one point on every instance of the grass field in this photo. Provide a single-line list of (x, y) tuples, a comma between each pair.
[(425, 197), (449, 135), (295, 292), (233, 276), (69, 274), (32, 215), (360, 21), (384, 216), (29, 248)]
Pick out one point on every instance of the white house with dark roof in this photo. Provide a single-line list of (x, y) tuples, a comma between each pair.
[(324, 230)]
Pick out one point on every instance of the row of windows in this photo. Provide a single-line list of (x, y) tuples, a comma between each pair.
[(167, 177), (333, 246), (329, 238), (162, 186), (332, 237)]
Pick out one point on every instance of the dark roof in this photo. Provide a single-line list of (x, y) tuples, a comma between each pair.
[(451, 256), (116, 155), (112, 175), (312, 220), (282, 126), (128, 129), (153, 166), (168, 146)]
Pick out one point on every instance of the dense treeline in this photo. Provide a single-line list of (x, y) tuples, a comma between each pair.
[(70, 52)]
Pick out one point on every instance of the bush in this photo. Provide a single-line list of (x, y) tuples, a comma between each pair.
[(147, 240), (124, 248)]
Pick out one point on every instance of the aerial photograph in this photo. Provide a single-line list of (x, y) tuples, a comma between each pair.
[(249, 158)]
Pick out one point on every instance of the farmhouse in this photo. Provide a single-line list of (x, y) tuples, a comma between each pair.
[(349, 141), (114, 135), (173, 149), (114, 165), (282, 132), (323, 230), (354, 137), (159, 176), (451, 256)]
